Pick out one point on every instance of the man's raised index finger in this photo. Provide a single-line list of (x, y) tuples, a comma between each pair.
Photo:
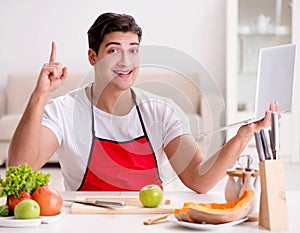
[(53, 52)]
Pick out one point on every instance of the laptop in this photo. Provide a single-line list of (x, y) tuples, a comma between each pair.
[(275, 76)]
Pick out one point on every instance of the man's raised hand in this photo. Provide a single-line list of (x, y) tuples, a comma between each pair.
[(52, 74)]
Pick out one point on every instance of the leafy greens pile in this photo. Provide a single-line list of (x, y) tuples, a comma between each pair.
[(22, 178)]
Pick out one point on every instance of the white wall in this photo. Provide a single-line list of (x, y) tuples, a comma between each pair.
[(196, 27)]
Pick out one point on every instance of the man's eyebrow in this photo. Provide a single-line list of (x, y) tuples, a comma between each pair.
[(117, 43), (109, 43), (135, 43)]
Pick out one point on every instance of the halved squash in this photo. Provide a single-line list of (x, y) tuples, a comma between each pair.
[(216, 213), (183, 214)]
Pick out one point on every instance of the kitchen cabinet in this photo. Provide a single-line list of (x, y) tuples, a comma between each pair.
[(250, 26)]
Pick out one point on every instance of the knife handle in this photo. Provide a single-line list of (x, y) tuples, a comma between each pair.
[(110, 203), (266, 148), (275, 134), (259, 146)]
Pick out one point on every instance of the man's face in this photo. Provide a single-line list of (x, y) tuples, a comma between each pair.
[(118, 59)]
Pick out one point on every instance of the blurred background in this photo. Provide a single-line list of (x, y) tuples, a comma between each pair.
[(222, 36)]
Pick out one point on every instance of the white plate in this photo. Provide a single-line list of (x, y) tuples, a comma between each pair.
[(13, 222), (51, 219), (204, 227)]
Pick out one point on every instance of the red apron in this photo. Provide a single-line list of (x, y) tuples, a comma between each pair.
[(120, 166)]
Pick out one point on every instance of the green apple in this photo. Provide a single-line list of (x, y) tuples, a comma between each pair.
[(27, 209), (151, 195)]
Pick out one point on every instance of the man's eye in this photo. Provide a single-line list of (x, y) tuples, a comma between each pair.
[(134, 51), (113, 51)]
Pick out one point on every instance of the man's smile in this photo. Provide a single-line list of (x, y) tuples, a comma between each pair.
[(123, 73)]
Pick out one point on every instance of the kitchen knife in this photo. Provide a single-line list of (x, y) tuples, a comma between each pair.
[(101, 203), (271, 140), (275, 135), (259, 146), (266, 148)]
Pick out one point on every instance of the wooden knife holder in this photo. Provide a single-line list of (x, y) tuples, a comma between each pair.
[(273, 213)]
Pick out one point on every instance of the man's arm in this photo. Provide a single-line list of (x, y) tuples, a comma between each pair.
[(33, 143), (187, 158)]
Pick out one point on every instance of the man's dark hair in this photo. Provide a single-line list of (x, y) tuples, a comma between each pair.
[(111, 22)]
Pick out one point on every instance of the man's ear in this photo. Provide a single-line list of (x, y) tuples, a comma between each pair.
[(92, 57)]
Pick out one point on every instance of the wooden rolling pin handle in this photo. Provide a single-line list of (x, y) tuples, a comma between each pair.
[(156, 219)]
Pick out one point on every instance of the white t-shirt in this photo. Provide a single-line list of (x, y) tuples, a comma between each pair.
[(70, 118)]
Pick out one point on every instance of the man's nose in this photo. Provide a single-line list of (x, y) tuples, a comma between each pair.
[(125, 59)]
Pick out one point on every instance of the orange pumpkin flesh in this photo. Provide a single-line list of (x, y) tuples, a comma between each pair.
[(183, 213), (216, 213)]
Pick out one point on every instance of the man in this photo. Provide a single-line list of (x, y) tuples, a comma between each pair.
[(103, 132)]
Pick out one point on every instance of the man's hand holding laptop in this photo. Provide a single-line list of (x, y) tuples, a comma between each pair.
[(248, 130)]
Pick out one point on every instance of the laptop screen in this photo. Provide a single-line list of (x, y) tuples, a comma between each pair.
[(275, 78)]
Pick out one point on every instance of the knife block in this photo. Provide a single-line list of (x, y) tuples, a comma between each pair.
[(273, 213)]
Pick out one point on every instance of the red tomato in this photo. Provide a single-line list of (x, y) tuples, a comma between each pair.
[(49, 200), (13, 200)]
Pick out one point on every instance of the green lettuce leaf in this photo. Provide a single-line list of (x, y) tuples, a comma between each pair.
[(4, 210), (22, 178)]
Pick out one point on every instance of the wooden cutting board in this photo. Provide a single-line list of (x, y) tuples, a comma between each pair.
[(133, 206)]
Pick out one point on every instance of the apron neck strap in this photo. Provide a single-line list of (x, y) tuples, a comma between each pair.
[(92, 108), (139, 112)]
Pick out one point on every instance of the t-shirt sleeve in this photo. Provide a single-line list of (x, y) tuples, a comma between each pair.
[(51, 119), (176, 122)]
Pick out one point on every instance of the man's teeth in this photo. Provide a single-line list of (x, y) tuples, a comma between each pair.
[(122, 72)]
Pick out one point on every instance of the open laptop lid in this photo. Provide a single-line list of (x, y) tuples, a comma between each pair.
[(275, 76)]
